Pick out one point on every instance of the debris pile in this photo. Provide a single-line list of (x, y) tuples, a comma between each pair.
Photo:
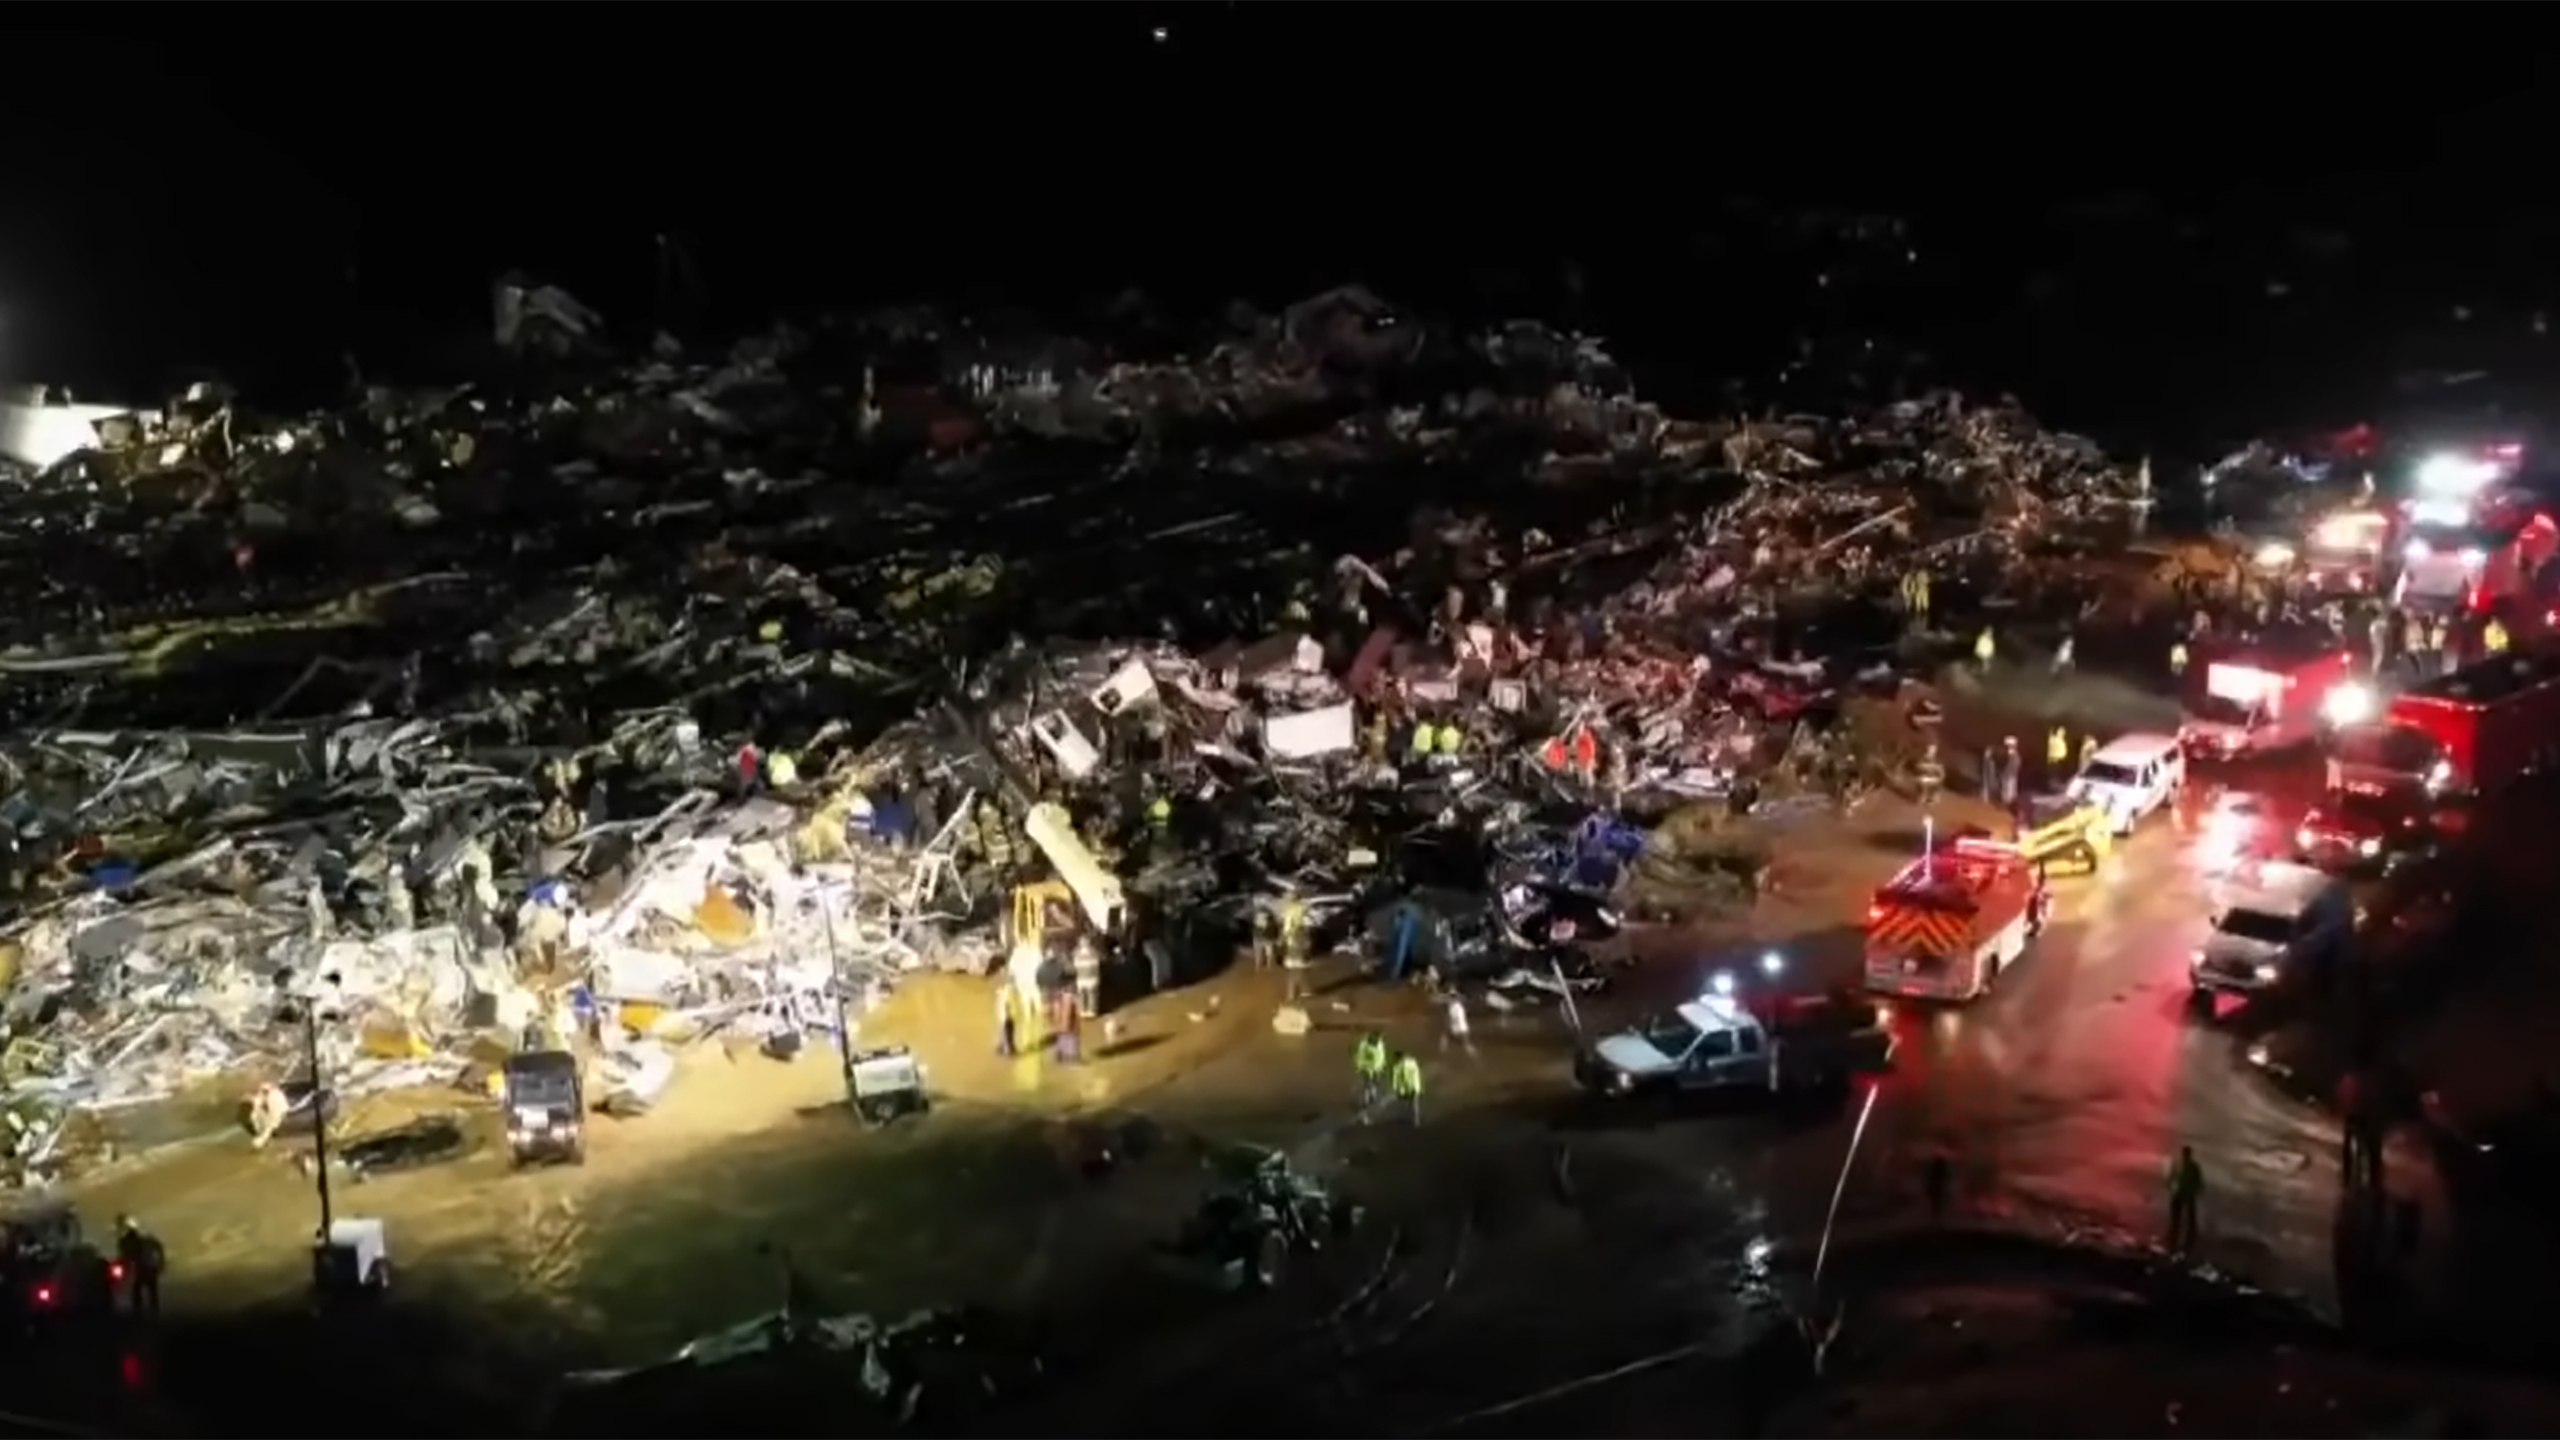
[(625, 704)]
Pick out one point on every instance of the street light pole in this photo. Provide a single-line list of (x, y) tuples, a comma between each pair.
[(844, 1008), (319, 1115)]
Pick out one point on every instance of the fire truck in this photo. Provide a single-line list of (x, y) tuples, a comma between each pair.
[(2469, 732), (1943, 928), (2490, 563)]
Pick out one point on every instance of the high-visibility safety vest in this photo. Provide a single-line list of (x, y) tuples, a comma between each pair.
[(1408, 1076), (1424, 736)]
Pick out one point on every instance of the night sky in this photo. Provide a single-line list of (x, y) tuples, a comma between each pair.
[(2089, 205)]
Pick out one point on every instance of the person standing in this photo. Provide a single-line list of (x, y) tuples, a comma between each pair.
[(1406, 1081), (1369, 1063), (143, 1258), (1455, 1031), (1938, 1183), (2186, 1193)]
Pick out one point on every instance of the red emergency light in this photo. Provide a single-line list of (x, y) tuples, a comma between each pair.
[(115, 1271), (44, 1294)]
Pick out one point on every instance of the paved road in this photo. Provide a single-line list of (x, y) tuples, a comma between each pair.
[(2064, 1092)]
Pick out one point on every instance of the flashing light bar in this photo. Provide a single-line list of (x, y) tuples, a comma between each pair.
[(2455, 475)]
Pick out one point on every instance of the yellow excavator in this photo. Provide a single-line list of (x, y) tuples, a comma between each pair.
[(2064, 836), (1038, 907)]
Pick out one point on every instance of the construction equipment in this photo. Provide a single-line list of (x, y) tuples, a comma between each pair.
[(1038, 908), (2064, 836), (887, 1082), (1095, 888), (1260, 1212)]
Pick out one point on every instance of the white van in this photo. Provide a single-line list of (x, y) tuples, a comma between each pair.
[(2272, 919), (2130, 777)]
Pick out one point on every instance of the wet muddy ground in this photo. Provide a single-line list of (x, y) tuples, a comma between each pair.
[(1530, 1229)]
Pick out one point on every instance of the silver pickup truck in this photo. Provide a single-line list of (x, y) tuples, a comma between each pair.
[(1715, 1043)]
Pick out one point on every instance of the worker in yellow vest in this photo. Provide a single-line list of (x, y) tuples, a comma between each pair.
[(1426, 738), (1293, 929), (2057, 751), (2493, 638), (781, 772), (2178, 659), (1983, 648)]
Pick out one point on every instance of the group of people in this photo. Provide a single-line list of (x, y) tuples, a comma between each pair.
[(1384, 1074), (2003, 770)]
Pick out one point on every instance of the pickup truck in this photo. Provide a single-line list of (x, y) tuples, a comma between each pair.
[(1714, 1043)]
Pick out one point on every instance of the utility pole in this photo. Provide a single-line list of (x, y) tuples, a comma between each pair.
[(319, 1115), (309, 1005), (844, 1008)]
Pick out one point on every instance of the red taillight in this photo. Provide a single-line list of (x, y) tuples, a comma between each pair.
[(1874, 913), (115, 1270), (44, 1294)]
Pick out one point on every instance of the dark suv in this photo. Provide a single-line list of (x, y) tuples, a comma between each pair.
[(49, 1272)]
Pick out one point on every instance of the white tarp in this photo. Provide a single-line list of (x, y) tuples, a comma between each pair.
[(1309, 733)]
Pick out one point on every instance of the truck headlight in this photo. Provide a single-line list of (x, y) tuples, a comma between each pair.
[(2303, 839), (2350, 704), (2258, 1054), (2266, 973), (2369, 848), (1621, 1080)]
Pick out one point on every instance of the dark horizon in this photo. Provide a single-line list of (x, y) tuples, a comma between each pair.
[(238, 210)]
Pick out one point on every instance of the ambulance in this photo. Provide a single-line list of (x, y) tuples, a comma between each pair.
[(2260, 699), (2489, 563), (1945, 927)]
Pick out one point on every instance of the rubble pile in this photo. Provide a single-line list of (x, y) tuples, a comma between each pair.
[(666, 697)]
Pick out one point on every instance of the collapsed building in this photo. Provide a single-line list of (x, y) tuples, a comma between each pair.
[(460, 708)]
